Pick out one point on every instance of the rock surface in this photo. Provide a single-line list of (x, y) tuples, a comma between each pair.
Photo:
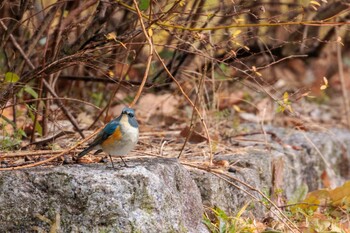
[(154, 195), (252, 167), (289, 163), (160, 195)]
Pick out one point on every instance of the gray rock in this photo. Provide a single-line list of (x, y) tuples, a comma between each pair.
[(301, 167), (160, 195), (318, 153), (252, 167), (154, 195)]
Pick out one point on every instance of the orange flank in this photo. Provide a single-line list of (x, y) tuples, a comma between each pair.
[(115, 137)]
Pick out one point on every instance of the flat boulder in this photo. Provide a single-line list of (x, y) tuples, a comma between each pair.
[(152, 195)]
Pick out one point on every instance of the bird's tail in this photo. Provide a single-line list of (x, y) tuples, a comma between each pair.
[(85, 151)]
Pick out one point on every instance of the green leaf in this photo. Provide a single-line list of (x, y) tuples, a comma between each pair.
[(299, 194), (209, 224), (31, 91), (144, 4), (167, 54), (37, 127), (22, 133), (11, 77)]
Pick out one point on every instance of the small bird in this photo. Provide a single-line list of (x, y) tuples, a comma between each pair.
[(118, 137)]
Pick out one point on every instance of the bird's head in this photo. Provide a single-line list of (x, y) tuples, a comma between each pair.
[(130, 113)]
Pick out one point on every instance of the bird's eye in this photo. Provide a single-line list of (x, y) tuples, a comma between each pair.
[(130, 114)]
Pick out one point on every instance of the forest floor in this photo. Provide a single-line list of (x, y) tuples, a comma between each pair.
[(167, 129)]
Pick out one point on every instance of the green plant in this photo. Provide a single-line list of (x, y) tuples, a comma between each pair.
[(9, 141), (223, 223)]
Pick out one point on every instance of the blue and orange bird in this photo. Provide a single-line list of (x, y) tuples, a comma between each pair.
[(118, 137)]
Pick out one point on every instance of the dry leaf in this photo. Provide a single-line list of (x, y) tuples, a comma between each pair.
[(341, 195), (158, 104), (221, 163), (315, 3), (227, 100), (194, 137), (325, 179)]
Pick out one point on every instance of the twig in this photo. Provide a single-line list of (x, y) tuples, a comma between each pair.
[(122, 78), (106, 80), (120, 82), (37, 106), (54, 157), (50, 98), (331, 170), (14, 112), (305, 203), (162, 147), (342, 80), (49, 139), (285, 219), (315, 23), (192, 117), (29, 153), (8, 121), (280, 60), (191, 103), (223, 175), (261, 123), (150, 55), (65, 111)]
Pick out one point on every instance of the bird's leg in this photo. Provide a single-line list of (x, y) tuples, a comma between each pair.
[(110, 157), (123, 161)]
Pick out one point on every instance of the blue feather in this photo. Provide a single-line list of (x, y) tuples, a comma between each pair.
[(111, 127), (107, 131)]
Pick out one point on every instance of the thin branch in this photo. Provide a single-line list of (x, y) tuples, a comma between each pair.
[(342, 80), (29, 153), (50, 98), (226, 177), (150, 55), (52, 92), (193, 115), (191, 103), (64, 109), (49, 139), (106, 80), (315, 23), (54, 157)]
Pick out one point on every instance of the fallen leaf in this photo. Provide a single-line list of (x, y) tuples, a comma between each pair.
[(325, 179), (221, 163), (227, 100), (341, 195), (194, 136)]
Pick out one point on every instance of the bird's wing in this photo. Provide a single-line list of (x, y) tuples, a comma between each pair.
[(107, 131)]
